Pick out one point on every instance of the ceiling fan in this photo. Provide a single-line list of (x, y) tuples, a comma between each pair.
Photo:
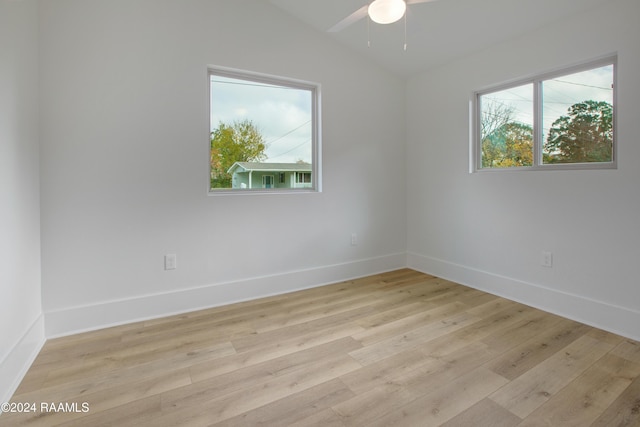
[(379, 11)]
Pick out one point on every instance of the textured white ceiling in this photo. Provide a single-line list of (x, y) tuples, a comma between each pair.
[(438, 32)]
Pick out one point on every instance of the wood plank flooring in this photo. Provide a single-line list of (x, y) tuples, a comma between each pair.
[(395, 349)]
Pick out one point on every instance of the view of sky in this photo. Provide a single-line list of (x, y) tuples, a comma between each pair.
[(558, 95), (283, 115)]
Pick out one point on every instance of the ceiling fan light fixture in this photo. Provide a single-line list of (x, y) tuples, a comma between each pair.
[(387, 11)]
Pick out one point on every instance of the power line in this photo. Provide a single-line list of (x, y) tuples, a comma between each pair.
[(582, 84), (291, 149), (289, 132)]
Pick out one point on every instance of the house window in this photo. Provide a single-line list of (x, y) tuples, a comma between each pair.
[(303, 177), (260, 124), (560, 120)]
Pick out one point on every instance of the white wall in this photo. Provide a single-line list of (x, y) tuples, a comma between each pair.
[(21, 323), (124, 127), (488, 229)]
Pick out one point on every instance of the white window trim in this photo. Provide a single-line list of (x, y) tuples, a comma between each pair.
[(316, 134), (475, 158)]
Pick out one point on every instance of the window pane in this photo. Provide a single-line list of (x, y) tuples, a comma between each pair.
[(259, 127), (577, 117), (506, 127)]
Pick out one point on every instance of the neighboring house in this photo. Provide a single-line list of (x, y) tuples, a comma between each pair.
[(270, 175)]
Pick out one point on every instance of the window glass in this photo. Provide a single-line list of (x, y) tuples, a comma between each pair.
[(563, 119), (506, 126), (577, 117), (261, 127)]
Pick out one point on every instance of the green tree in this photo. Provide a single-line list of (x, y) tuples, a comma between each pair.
[(584, 135), (507, 146), (239, 142)]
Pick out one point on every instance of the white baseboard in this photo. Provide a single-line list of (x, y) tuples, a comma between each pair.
[(14, 367), (619, 320), (111, 313)]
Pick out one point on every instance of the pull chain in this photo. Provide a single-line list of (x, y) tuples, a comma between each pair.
[(405, 31)]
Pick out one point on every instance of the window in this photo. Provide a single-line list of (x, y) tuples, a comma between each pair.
[(262, 127), (560, 120), (303, 177)]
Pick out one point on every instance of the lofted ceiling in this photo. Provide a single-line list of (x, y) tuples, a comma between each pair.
[(437, 32)]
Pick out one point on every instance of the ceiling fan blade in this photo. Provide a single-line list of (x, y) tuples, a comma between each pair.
[(354, 17)]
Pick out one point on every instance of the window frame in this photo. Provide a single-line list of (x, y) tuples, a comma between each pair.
[(538, 143), (316, 126)]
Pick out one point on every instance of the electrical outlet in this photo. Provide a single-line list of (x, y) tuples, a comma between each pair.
[(354, 239), (170, 262), (546, 259)]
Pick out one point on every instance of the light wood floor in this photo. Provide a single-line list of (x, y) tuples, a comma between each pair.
[(396, 349)]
